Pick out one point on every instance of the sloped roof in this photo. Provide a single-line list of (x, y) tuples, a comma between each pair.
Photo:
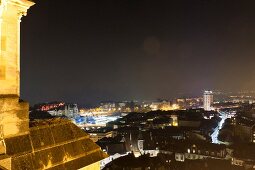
[(53, 144)]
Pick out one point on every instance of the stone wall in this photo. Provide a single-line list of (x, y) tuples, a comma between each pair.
[(11, 12), (14, 118)]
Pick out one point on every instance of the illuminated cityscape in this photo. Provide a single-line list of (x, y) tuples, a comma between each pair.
[(203, 128), (135, 127), (121, 85)]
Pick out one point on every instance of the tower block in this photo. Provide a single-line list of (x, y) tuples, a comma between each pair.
[(13, 113)]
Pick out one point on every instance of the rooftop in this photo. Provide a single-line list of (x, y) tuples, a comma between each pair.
[(52, 144)]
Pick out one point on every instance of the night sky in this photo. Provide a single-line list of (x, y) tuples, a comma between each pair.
[(87, 51)]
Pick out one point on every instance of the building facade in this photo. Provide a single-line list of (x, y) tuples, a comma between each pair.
[(208, 100)]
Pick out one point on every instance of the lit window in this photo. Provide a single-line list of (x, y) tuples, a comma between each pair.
[(188, 150)]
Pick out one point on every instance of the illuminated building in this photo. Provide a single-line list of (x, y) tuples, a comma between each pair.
[(163, 105), (71, 110), (108, 106), (208, 100), (33, 145), (48, 106), (175, 120), (200, 150), (98, 134), (140, 142)]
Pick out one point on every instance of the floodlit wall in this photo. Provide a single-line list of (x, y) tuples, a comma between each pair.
[(11, 12), (13, 113)]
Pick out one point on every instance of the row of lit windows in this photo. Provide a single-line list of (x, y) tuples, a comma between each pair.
[(206, 152)]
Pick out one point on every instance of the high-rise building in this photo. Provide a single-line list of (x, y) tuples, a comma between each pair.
[(208, 100)]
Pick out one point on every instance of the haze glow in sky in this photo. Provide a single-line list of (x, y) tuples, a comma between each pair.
[(90, 51)]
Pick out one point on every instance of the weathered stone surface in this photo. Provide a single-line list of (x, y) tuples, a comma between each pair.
[(18, 145), (41, 138), (35, 151), (11, 12), (51, 144), (12, 102), (5, 162), (13, 116)]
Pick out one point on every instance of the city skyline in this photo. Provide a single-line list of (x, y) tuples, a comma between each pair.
[(96, 51), (163, 105)]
